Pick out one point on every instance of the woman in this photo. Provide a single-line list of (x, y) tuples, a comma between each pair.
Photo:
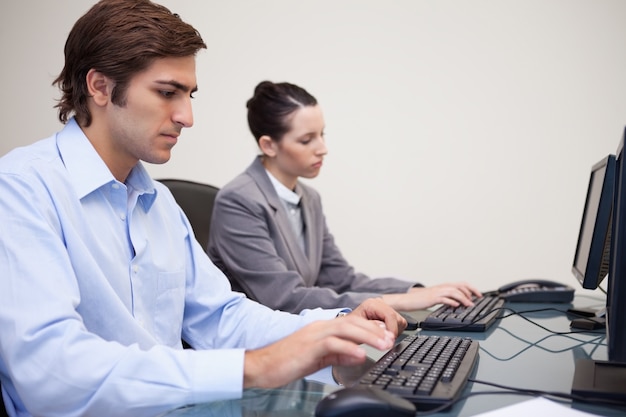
[(268, 231)]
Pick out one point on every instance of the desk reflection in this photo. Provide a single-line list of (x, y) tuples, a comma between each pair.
[(297, 399)]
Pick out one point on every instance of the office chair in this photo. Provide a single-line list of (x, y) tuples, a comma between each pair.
[(196, 200), (3, 409)]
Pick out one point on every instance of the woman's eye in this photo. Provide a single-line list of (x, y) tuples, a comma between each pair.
[(307, 139)]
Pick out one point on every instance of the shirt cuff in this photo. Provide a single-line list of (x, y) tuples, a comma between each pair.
[(323, 314)]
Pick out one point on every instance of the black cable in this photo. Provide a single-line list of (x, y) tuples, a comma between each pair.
[(555, 394), (536, 345), (559, 397), (540, 310)]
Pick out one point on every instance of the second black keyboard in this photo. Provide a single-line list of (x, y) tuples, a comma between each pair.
[(471, 319)]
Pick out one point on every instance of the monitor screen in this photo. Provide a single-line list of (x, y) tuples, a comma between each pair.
[(593, 249)]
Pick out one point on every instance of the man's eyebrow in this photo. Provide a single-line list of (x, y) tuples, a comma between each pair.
[(178, 85)]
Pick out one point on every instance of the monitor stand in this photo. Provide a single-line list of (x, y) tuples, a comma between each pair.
[(599, 380)]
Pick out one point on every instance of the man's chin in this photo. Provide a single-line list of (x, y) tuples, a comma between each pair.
[(160, 160)]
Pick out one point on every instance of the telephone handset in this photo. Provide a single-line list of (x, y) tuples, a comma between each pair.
[(536, 291)]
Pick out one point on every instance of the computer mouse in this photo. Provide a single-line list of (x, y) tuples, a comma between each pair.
[(364, 401)]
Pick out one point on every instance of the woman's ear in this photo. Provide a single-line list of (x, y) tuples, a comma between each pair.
[(267, 146), (99, 87)]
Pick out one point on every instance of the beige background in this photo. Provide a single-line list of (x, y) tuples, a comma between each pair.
[(461, 133)]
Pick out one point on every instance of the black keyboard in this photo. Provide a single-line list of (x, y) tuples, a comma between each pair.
[(471, 319), (429, 371)]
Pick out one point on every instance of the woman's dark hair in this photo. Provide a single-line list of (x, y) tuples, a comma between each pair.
[(119, 38), (272, 104)]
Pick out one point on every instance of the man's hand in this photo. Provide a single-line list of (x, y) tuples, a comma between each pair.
[(377, 309), (321, 344)]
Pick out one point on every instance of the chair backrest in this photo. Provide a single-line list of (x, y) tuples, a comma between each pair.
[(196, 199)]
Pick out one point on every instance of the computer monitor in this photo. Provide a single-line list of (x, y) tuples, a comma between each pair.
[(593, 248), (616, 297), (607, 379)]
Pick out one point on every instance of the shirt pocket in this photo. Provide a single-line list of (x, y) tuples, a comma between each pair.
[(170, 306)]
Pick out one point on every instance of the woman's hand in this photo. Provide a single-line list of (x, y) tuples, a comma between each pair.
[(419, 298)]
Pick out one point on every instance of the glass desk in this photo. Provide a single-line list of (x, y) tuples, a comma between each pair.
[(513, 353)]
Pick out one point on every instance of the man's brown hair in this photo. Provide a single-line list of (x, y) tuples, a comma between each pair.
[(119, 38)]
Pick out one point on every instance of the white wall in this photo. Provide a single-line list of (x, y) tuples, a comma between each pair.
[(461, 133)]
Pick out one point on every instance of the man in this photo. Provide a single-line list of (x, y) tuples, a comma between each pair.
[(102, 276)]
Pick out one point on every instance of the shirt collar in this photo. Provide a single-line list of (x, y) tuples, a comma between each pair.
[(87, 170), (283, 192)]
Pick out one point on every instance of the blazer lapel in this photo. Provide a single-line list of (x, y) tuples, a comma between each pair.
[(298, 258)]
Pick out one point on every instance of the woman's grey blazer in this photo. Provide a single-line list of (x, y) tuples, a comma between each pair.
[(252, 241)]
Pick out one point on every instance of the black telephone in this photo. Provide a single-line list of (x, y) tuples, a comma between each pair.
[(536, 291)]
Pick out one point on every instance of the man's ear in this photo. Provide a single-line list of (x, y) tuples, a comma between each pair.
[(99, 87), (267, 146)]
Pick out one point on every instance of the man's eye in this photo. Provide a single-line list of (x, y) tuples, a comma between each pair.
[(167, 94)]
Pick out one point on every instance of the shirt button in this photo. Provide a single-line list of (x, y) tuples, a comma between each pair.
[(123, 216), (135, 268), (115, 186)]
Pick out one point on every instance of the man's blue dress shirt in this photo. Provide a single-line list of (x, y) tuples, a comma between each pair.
[(99, 280)]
